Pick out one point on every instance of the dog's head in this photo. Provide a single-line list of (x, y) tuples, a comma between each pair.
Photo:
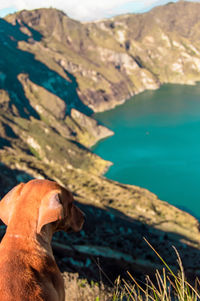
[(50, 202)]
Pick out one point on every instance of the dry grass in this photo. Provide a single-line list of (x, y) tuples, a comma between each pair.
[(167, 286), (77, 289)]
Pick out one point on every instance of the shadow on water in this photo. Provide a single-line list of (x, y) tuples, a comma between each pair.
[(14, 61), (111, 243), (184, 208)]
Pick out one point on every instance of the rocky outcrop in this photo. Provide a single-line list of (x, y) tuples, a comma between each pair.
[(55, 72), (116, 58), (88, 130)]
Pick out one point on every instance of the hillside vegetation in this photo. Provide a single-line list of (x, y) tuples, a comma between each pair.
[(54, 73)]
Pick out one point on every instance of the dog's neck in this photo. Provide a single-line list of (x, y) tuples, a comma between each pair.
[(41, 241)]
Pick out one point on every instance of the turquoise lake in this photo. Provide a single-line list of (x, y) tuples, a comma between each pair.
[(157, 144)]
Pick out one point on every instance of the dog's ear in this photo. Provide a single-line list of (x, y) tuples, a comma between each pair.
[(50, 211), (7, 203), (77, 219)]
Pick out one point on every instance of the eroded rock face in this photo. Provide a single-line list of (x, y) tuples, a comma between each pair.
[(114, 59), (54, 73)]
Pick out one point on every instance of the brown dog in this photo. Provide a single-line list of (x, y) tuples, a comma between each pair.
[(33, 212)]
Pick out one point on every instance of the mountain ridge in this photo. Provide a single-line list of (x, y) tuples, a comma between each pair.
[(54, 73), (125, 54)]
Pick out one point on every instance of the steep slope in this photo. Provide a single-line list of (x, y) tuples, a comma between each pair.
[(54, 72), (116, 58)]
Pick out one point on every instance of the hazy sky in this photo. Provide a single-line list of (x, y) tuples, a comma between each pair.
[(84, 10)]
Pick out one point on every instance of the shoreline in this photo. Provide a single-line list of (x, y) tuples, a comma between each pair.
[(163, 195)]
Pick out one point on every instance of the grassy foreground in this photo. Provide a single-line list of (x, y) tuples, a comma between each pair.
[(167, 286)]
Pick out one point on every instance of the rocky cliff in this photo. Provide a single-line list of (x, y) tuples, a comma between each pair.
[(114, 59), (54, 73)]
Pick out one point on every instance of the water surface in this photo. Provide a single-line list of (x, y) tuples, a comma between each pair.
[(157, 144)]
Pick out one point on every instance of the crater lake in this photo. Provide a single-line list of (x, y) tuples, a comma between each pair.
[(156, 144)]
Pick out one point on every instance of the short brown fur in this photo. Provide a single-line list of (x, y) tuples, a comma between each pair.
[(33, 212)]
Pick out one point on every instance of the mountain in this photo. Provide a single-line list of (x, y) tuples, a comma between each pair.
[(56, 72), (120, 57)]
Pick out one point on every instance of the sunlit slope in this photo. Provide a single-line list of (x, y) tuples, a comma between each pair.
[(119, 57), (54, 72)]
